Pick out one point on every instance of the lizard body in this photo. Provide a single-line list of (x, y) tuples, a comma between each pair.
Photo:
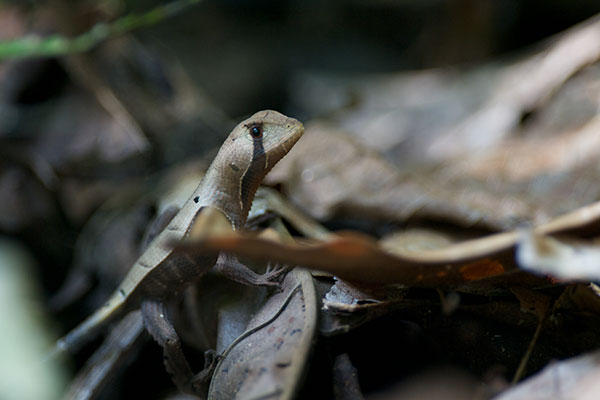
[(247, 155)]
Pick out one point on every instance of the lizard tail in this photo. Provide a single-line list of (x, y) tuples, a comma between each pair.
[(87, 329)]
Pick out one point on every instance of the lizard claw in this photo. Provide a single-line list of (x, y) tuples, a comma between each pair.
[(275, 273), (271, 278), (202, 378)]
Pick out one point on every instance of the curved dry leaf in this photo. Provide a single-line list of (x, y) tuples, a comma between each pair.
[(358, 181), (268, 360), (519, 90), (346, 297), (210, 222), (570, 261), (269, 200), (346, 306), (580, 297), (440, 113), (416, 240), (575, 378), (518, 171), (353, 257), (357, 257), (532, 302)]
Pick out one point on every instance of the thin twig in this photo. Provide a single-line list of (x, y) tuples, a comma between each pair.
[(521, 370), (58, 45)]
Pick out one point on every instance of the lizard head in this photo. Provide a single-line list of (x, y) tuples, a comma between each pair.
[(252, 149), (266, 137)]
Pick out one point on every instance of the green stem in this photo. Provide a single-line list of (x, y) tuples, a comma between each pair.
[(58, 45)]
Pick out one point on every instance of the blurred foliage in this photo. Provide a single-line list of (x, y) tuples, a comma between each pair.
[(57, 45), (22, 375)]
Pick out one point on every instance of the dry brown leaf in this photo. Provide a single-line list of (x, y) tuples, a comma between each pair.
[(440, 114), (575, 378), (359, 182), (268, 200), (357, 257), (532, 302), (580, 297), (350, 256), (512, 137), (415, 241), (563, 260), (270, 357)]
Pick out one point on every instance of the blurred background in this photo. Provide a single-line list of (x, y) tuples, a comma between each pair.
[(469, 107)]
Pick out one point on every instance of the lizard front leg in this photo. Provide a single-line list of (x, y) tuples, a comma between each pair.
[(229, 266)]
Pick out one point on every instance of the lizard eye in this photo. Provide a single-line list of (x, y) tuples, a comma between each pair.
[(256, 132)]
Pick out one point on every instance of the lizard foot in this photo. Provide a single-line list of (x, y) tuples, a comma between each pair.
[(275, 273), (200, 381), (271, 278), (236, 271)]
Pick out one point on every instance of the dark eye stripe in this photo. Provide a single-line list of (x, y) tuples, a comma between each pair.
[(252, 176)]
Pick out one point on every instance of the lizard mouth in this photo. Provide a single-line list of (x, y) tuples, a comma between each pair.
[(273, 156), (297, 133)]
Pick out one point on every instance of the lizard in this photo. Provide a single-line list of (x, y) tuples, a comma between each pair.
[(252, 148)]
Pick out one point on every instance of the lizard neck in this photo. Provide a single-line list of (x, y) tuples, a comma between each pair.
[(230, 184)]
